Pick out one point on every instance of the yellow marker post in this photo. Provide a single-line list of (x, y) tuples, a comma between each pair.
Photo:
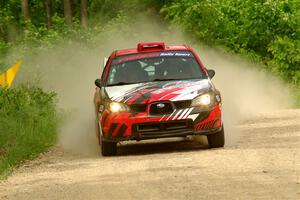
[(9, 75)]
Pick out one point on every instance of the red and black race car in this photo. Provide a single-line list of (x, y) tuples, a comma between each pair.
[(156, 91)]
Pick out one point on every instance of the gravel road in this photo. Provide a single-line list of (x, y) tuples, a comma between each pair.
[(263, 164)]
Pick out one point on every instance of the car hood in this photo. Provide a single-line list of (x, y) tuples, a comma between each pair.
[(148, 92)]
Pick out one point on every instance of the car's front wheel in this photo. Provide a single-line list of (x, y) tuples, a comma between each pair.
[(108, 148), (217, 139)]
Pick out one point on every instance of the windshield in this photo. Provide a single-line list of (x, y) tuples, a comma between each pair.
[(158, 66)]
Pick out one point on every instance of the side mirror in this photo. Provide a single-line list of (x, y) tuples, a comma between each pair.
[(98, 83), (211, 73)]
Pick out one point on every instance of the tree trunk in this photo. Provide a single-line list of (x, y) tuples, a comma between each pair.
[(48, 4), (68, 12), (25, 10), (84, 17)]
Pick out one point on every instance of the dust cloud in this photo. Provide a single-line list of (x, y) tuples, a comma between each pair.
[(71, 68), (246, 89)]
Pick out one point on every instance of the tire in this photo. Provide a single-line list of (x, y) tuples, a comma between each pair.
[(108, 148), (216, 140)]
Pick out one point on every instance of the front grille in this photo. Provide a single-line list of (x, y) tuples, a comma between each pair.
[(155, 108), (182, 104), (138, 108), (157, 128)]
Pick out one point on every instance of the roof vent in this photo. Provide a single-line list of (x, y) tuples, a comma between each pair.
[(150, 46)]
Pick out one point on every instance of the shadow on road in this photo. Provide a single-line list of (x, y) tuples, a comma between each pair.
[(161, 146)]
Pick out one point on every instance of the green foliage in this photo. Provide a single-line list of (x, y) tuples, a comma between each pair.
[(104, 17), (103, 10), (269, 29), (4, 47), (28, 125), (286, 57)]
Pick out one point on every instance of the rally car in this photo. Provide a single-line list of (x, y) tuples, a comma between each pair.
[(156, 91)]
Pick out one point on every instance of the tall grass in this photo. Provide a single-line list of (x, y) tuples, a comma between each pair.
[(28, 125)]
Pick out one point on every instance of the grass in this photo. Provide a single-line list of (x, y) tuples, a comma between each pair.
[(28, 125)]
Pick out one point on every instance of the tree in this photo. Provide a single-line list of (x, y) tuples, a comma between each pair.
[(48, 5), (25, 10), (68, 12), (84, 17)]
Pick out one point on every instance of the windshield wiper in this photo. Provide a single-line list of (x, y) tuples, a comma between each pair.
[(167, 79), (119, 83), (157, 79)]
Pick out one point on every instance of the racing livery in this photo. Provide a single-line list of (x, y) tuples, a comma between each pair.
[(156, 91)]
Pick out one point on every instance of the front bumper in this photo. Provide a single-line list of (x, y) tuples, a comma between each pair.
[(126, 126), (162, 134)]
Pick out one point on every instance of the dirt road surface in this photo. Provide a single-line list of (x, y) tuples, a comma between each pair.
[(263, 164)]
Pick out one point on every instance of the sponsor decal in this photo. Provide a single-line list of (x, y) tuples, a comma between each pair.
[(152, 55), (179, 54)]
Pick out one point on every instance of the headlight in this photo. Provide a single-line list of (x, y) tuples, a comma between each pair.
[(203, 100), (118, 107)]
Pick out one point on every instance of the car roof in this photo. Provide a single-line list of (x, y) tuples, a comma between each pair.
[(151, 47), (147, 47)]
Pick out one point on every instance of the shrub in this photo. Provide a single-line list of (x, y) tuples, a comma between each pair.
[(28, 124), (267, 28)]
